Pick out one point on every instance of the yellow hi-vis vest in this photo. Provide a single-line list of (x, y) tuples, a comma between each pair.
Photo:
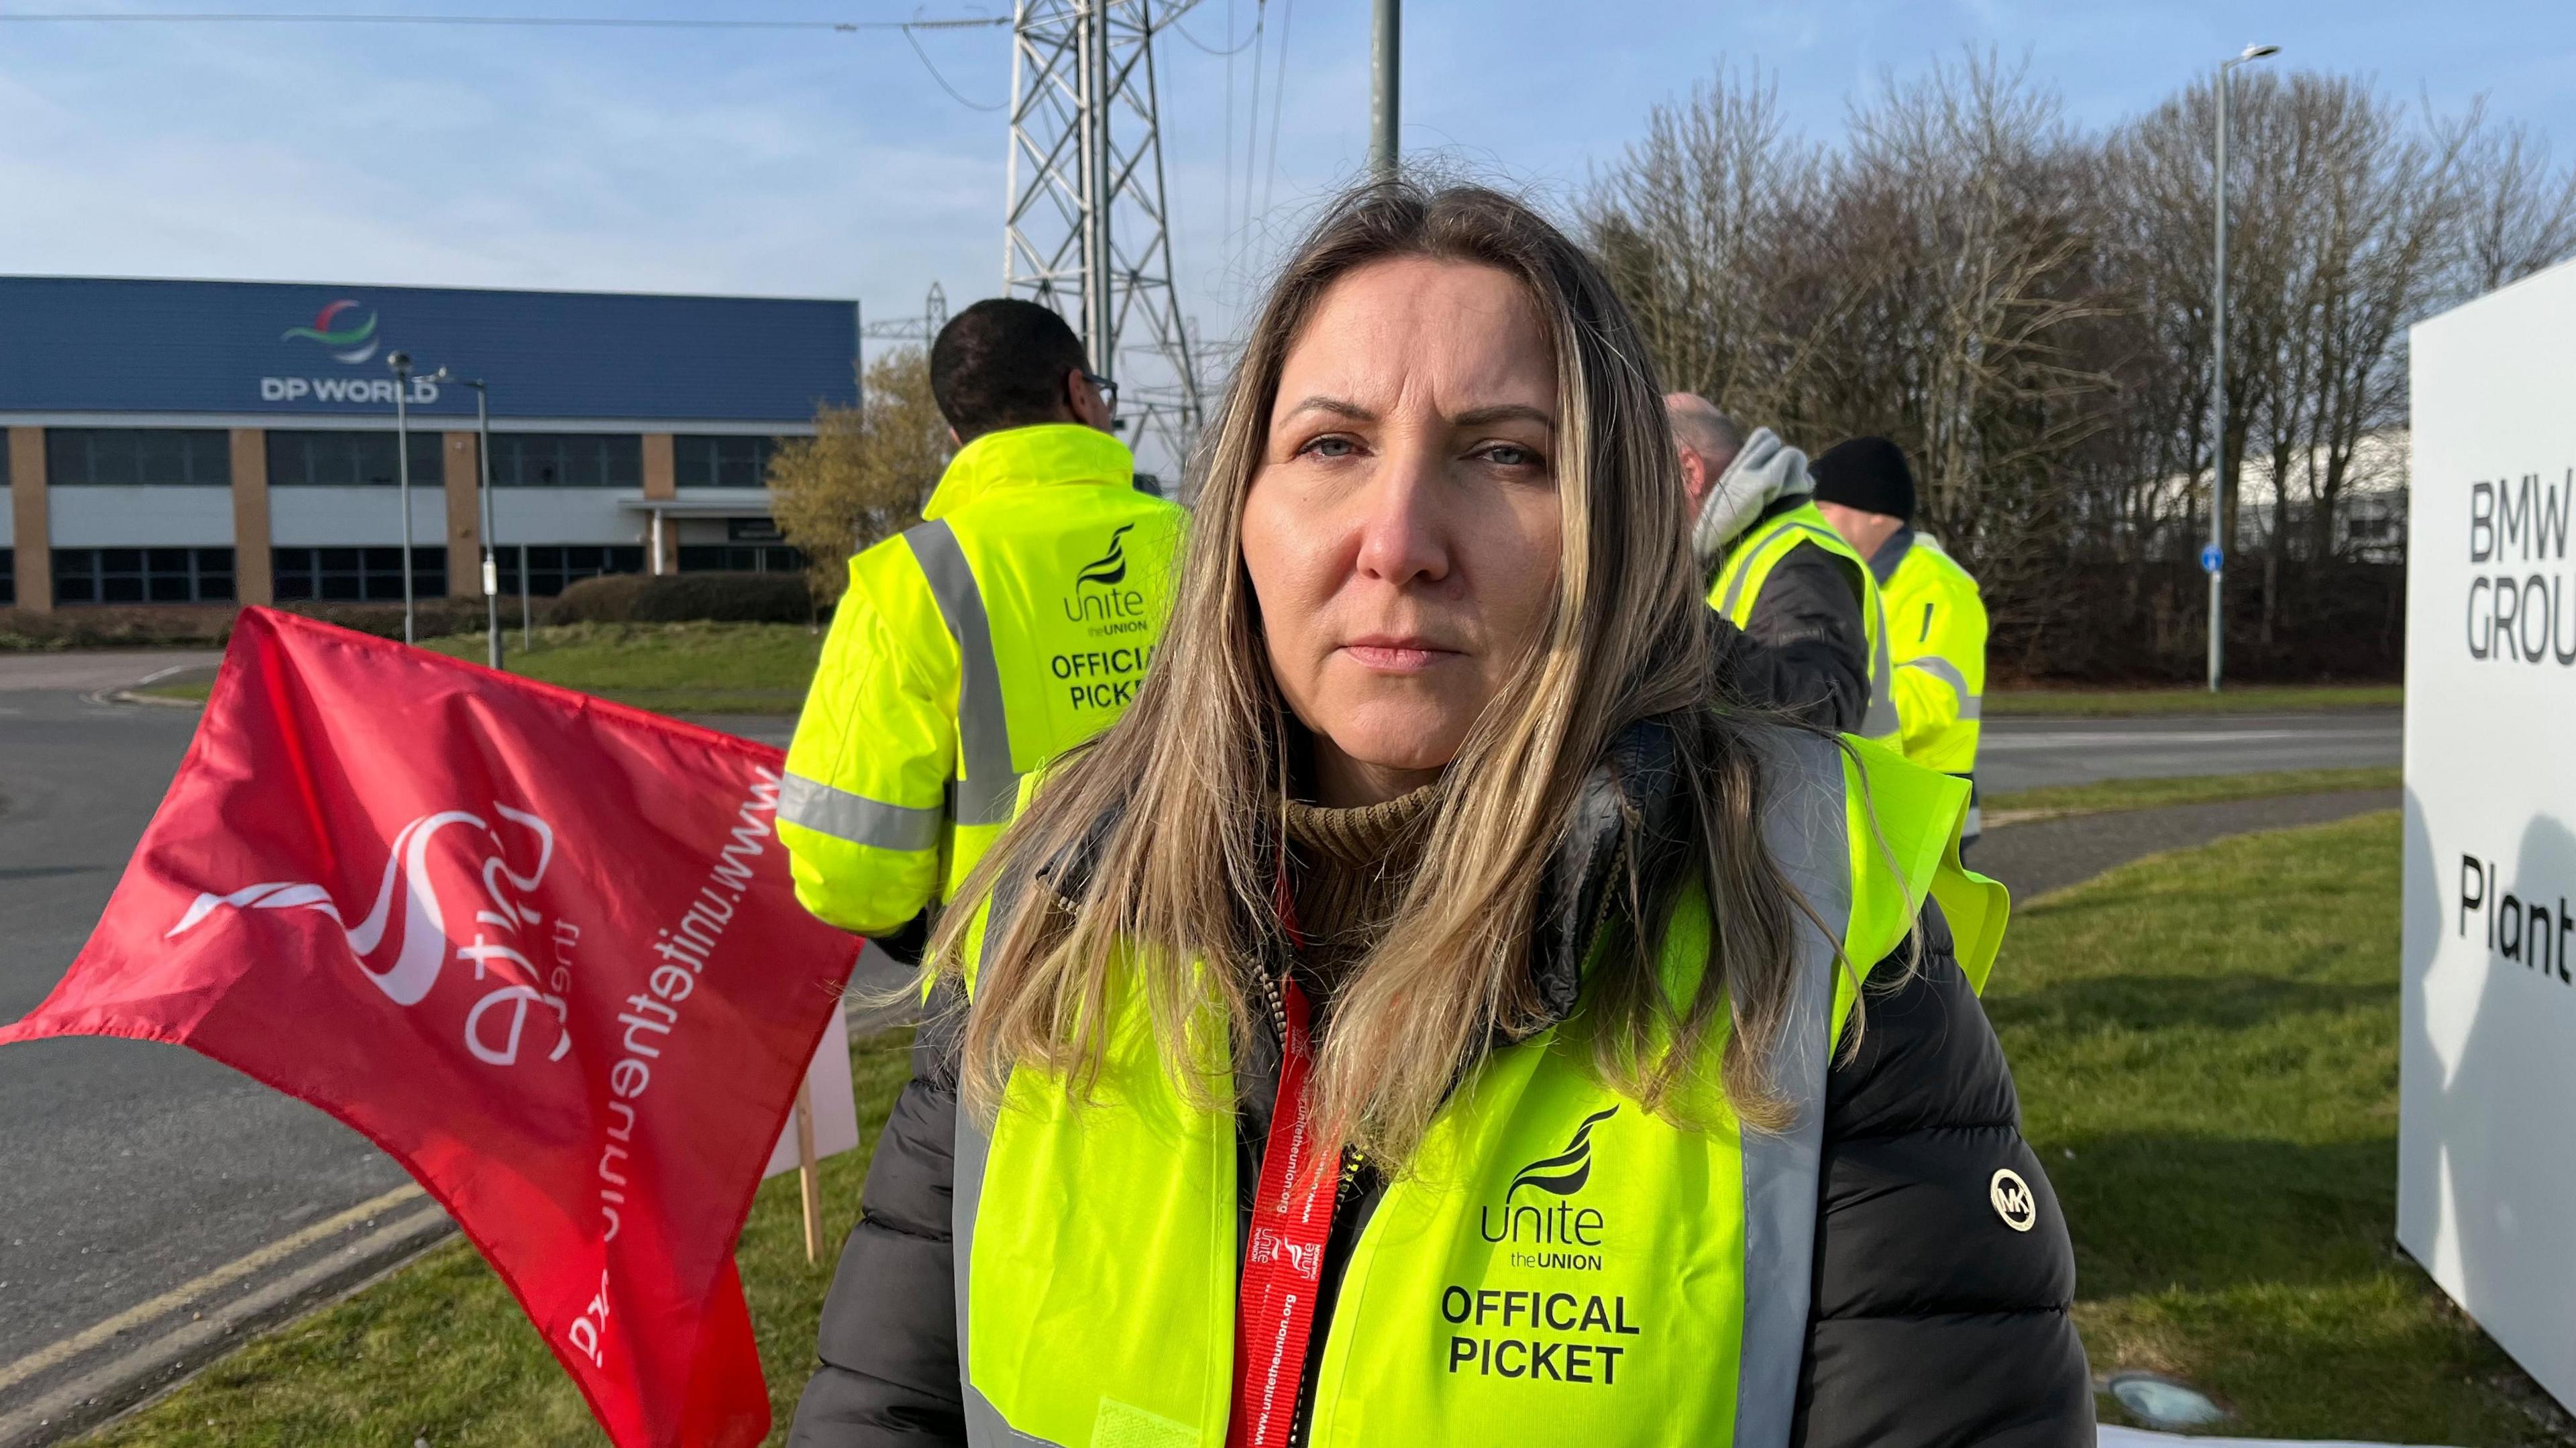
[(1739, 586), (1936, 627), (1557, 1266), (1013, 623)]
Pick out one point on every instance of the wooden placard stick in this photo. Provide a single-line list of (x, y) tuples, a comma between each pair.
[(806, 1178)]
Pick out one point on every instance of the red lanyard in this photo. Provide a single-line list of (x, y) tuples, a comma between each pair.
[(1284, 1258)]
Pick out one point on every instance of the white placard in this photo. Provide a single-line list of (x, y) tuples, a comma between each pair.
[(836, 1109), (2487, 1119)]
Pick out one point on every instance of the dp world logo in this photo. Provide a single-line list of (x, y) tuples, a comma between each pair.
[(335, 332), (419, 944)]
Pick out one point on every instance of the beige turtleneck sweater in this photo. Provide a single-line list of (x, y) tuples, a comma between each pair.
[(1351, 868)]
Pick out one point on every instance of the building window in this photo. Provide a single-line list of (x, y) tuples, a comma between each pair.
[(709, 460), (551, 566), (351, 459), (357, 575), (567, 460), (740, 558), (143, 575), (199, 457), (9, 577)]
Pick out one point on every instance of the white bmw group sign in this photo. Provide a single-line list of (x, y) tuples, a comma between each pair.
[(2487, 1129)]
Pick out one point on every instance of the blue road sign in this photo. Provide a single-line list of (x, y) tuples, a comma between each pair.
[(2211, 560)]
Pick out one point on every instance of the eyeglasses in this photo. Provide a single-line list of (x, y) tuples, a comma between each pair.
[(1108, 390)]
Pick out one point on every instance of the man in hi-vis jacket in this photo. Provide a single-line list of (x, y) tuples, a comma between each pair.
[(1014, 621), (1936, 622), (1801, 629)]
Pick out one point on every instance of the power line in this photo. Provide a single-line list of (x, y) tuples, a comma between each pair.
[(1278, 97), (1231, 48), (576, 22), (1252, 130), (924, 56)]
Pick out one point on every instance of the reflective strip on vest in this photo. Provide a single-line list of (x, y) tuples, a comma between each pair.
[(989, 786), (1971, 706), (1879, 721), (985, 1426), (1810, 837), (856, 818)]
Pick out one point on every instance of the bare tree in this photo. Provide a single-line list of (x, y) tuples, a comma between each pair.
[(2025, 308), (2521, 215)]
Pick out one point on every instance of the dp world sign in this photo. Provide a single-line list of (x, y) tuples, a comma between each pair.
[(2486, 1139), (216, 351), (343, 332)]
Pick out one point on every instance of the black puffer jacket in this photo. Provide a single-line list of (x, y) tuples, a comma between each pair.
[(1804, 650), (1932, 1321)]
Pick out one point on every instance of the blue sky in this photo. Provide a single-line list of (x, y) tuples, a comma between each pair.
[(823, 165)]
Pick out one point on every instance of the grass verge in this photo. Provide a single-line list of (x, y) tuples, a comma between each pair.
[(2110, 703), (439, 1353), (671, 668), (2206, 1045), (2107, 795)]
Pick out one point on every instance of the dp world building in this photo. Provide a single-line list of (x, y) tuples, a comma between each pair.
[(235, 442)]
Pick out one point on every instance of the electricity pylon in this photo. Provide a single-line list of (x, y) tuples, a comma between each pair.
[(923, 329), (1086, 231)]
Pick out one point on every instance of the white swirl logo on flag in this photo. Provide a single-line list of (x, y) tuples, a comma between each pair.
[(420, 948)]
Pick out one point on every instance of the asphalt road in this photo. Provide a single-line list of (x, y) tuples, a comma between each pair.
[(125, 1168), (2037, 856), (2028, 753)]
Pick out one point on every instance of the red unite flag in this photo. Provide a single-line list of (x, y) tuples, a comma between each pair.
[(540, 948)]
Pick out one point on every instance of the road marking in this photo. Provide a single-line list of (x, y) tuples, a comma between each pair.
[(2179, 739), (111, 1388), (233, 1271)]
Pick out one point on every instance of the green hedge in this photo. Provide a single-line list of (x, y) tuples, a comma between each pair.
[(686, 598), (209, 625)]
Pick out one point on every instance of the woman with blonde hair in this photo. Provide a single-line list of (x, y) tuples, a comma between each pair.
[(1434, 1014)]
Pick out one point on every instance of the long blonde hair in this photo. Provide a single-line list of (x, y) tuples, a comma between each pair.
[(1176, 807)]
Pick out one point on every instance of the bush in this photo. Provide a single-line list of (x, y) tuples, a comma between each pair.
[(686, 598), (431, 617), (210, 625), (609, 598), (164, 625)]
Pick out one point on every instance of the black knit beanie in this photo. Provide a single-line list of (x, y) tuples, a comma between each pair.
[(1868, 473)]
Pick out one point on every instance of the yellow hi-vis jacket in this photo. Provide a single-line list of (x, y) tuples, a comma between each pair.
[(1936, 628), (1738, 588), (1652, 1290), (1014, 622)]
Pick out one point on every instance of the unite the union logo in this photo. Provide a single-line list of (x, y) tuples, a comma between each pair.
[(419, 941)]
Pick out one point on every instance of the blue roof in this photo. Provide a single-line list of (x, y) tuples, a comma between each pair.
[(83, 344)]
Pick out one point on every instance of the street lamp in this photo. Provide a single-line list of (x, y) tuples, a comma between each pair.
[(491, 568), (2214, 560), (400, 362)]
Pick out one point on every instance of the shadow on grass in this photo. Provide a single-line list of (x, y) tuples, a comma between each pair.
[(2146, 1003), (2152, 1213)]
